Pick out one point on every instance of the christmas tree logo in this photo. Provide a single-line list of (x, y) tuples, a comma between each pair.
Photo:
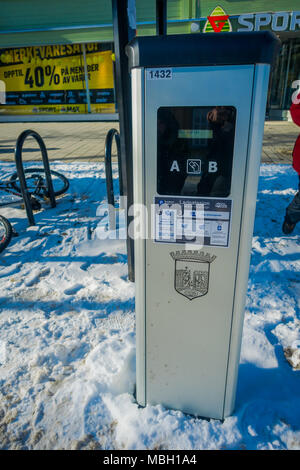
[(217, 21)]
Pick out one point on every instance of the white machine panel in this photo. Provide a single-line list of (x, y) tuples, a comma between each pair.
[(197, 136)]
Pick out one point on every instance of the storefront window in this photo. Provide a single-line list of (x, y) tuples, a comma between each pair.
[(293, 72), (64, 79), (284, 72)]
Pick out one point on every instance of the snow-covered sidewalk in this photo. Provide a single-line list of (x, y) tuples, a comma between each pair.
[(67, 338)]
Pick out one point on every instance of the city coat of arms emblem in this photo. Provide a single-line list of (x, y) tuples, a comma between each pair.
[(192, 272)]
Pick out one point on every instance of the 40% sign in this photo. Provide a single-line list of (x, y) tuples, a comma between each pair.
[(37, 76)]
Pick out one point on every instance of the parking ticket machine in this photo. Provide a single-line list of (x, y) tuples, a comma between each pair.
[(198, 104)]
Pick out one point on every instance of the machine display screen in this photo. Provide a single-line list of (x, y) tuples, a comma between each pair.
[(195, 150)]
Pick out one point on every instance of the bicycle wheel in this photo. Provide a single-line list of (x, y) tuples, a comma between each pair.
[(36, 182), (5, 233)]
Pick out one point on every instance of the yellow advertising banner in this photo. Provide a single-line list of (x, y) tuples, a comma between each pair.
[(51, 79)]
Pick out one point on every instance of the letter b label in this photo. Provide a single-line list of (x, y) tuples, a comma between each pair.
[(212, 167)]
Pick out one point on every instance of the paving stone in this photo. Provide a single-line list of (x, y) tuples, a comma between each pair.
[(85, 141)]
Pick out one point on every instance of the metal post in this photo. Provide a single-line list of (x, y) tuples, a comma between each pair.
[(23, 186), (21, 174), (161, 17), (112, 134), (124, 31), (283, 97), (86, 79)]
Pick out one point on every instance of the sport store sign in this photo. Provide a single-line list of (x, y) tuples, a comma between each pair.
[(279, 21)]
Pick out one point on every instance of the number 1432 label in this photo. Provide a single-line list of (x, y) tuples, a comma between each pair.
[(159, 74)]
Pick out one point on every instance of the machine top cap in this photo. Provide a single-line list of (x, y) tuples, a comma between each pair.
[(203, 49)]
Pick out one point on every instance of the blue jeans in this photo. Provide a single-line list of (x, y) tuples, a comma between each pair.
[(293, 209)]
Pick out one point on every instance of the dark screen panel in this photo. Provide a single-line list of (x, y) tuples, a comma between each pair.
[(195, 150)]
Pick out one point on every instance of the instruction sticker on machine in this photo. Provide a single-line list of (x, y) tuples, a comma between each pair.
[(205, 221)]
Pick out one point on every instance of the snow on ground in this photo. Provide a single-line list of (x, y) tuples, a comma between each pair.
[(67, 338)]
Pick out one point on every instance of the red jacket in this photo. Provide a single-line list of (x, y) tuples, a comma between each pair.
[(295, 113)]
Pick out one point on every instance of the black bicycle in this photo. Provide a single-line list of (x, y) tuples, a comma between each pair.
[(36, 182), (6, 232), (37, 189), (36, 185)]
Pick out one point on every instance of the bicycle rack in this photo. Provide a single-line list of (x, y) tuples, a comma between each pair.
[(112, 134), (21, 174)]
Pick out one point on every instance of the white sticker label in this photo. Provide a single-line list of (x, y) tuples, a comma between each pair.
[(166, 225), (205, 221), (219, 233), (159, 74)]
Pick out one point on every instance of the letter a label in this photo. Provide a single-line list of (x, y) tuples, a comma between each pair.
[(175, 166)]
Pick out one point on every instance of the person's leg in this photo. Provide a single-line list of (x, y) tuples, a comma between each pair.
[(292, 214)]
